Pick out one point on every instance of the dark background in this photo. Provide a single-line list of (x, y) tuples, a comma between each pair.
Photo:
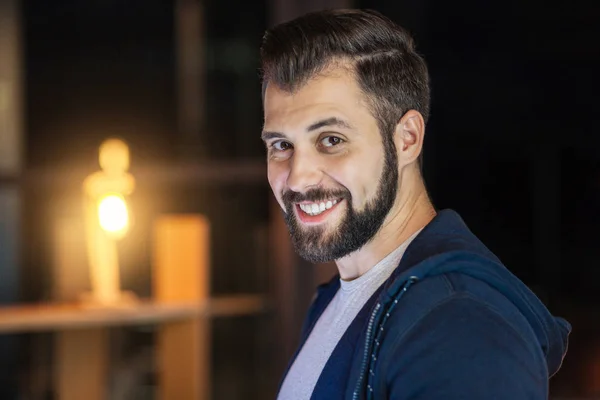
[(512, 145)]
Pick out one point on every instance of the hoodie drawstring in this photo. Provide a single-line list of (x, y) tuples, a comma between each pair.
[(374, 347)]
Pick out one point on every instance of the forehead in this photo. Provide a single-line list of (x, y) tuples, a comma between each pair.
[(334, 93)]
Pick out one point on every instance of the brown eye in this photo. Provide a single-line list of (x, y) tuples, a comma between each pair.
[(331, 141), (282, 145)]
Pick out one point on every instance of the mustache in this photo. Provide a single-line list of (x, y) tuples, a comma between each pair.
[(314, 195)]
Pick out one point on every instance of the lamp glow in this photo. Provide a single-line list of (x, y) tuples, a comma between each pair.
[(107, 221), (112, 213)]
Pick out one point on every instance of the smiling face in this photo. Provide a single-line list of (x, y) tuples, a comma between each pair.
[(328, 166)]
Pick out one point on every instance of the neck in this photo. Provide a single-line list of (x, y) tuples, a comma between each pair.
[(411, 212)]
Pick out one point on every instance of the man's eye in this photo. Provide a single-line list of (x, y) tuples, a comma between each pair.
[(331, 141), (281, 145)]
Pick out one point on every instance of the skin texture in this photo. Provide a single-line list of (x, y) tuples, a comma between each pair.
[(323, 143)]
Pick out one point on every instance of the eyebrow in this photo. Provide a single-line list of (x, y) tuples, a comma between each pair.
[(333, 121), (265, 136)]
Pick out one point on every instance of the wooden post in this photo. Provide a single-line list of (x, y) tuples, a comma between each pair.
[(11, 94), (82, 364), (81, 355), (70, 275), (284, 264), (189, 35), (11, 139), (182, 273)]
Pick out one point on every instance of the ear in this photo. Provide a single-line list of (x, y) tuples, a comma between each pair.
[(408, 137)]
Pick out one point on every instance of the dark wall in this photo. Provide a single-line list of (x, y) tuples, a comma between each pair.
[(512, 145)]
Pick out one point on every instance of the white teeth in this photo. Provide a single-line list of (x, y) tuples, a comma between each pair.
[(317, 208)]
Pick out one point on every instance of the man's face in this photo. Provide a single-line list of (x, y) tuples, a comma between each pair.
[(327, 165)]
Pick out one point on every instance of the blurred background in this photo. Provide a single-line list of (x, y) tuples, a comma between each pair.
[(512, 145)]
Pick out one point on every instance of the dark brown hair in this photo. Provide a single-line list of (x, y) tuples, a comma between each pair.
[(382, 54)]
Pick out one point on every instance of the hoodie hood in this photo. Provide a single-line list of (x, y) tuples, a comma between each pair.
[(447, 245)]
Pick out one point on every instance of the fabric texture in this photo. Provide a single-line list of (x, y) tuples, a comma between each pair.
[(451, 322), (333, 322)]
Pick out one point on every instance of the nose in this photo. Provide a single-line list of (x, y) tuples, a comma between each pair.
[(305, 172)]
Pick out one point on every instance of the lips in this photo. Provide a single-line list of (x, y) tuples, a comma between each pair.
[(321, 210), (317, 208)]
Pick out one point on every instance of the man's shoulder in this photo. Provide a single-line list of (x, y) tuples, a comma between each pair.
[(457, 310), (463, 347), (456, 294)]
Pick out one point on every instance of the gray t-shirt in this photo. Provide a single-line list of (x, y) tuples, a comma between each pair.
[(302, 377)]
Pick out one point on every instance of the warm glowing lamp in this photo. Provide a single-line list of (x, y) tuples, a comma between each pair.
[(112, 214), (107, 220)]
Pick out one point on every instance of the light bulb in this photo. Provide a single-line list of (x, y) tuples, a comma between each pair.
[(113, 214)]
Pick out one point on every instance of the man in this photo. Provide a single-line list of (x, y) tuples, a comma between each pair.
[(421, 308)]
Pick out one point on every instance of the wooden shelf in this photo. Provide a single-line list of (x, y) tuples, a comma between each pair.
[(62, 316), (248, 171)]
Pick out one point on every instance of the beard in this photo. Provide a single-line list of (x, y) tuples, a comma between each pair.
[(318, 245)]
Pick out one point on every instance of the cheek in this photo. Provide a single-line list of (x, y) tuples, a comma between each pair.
[(277, 179), (361, 177)]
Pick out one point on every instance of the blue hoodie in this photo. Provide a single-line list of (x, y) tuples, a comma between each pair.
[(450, 323)]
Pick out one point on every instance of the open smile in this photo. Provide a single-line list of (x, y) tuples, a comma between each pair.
[(316, 212)]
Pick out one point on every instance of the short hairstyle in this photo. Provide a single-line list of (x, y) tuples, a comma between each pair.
[(382, 54)]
